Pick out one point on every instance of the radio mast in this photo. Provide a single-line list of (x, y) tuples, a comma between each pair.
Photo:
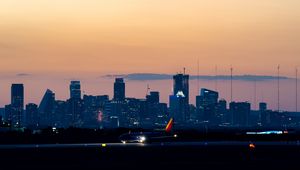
[(231, 72), (216, 78), (278, 89), (296, 89)]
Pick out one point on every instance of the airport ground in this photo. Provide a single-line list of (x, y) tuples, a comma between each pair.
[(173, 155)]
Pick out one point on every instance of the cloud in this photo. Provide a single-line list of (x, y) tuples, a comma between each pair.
[(23, 75), (150, 76)]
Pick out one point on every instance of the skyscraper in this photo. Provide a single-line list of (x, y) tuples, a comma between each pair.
[(32, 115), (240, 113), (153, 107), (119, 89), (181, 96), (61, 115), (46, 108), (8, 111), (75, 111), (153, 97), (207, 97), (75, 90), (262, 106), (178, 107), (93, 110), (17, 104), (181, 84), (207, 104)]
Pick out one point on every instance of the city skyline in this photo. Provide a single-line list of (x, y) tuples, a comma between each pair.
[(266, 87), (149, 84), (149, 111)]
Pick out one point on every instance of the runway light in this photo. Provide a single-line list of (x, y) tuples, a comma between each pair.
[(103, 145), (175, 136), (251, 146), (124, 142)]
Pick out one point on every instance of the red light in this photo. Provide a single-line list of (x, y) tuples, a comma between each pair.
[(100, 116)]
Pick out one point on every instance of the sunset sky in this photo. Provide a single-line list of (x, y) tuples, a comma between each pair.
[(124, 36)]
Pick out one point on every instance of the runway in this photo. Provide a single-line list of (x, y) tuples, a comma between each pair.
[(168, 155), (156, 144)]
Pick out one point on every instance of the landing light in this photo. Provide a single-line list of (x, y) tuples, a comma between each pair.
[(103, 145), (124, 142), (142, 139), (175, 136)]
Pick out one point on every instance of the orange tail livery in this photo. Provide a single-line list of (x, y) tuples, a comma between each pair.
[(169, 125)]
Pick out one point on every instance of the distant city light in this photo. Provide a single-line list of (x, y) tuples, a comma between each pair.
[(267, 132), (100, 116), (180, 94)]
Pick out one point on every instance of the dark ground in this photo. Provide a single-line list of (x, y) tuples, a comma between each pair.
[(151, 156)]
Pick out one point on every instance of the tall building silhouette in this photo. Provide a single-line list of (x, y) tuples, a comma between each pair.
[(180, 98), (153, 97), (32, 119), (75, 90), (207, 104), (17, 104), (93, 110), (181, 83), (119, 89), (240, 113), (45, 109), (263, 107), (154, 108), (178, 107), (7, 115)]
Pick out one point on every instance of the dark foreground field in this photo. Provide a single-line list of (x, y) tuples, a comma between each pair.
[(153, 156)]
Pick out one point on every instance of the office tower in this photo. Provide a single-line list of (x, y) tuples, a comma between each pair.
[(207, 97), (178, 107), (132, 112), (75, 105), (263, 114), (75, 110), (240, 113), (152, 111), (222, 112), (153, 97), (119, 89), (32, 119), (17, 104), (262, 107), (181, 84), (7, 114), (181, 96), (60, 114), (93, 108), (45, 109), (115, 109), (222, 106), (207, 103), (75, 90)]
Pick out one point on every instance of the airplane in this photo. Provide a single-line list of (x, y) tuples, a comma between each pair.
[(147, 137)]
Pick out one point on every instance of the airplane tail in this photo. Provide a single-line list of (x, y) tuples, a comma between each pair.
[(169, 125)]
